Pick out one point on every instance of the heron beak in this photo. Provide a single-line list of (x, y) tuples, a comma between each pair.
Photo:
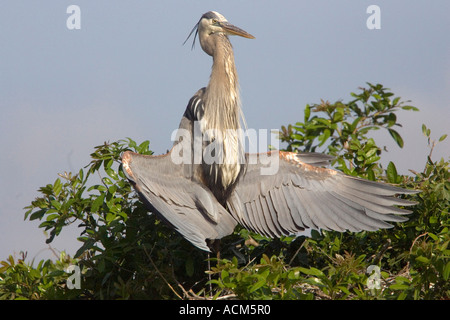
[(233, 30)]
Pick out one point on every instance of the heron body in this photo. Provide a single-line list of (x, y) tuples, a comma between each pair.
[(204, 200), (217, 109)]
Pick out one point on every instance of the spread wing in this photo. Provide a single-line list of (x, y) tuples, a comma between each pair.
[(185, 204), (303, 195)]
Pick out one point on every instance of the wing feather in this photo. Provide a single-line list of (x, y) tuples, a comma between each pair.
[(183, 203), (263, 223), (280, 230), (303, 195), (273, 225), (253, 218)]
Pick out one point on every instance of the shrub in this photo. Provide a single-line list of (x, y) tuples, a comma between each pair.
[(126, 253)]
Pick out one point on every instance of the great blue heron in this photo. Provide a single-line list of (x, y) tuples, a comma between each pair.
[(205, 200)]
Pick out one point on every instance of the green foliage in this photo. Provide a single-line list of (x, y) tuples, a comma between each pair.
[(20, 281), (343, 129), (127, 253)]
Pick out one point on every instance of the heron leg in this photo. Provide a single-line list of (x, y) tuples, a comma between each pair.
[(214, 245)]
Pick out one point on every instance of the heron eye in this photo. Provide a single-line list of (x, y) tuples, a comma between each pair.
[(214, 21)]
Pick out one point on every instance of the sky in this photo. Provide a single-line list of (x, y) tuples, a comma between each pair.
[(125, 73)]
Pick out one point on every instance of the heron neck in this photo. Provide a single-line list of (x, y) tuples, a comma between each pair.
[(221, 120), (224, 69), (223, 87)]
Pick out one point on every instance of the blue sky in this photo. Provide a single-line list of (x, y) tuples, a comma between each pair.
[(125, 73)]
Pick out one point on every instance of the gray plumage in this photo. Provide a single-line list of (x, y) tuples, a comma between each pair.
[(206, 200)]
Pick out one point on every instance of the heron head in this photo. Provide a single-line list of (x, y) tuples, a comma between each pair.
[(214, 23)]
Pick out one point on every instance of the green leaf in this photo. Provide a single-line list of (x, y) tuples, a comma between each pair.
[(323, 121), (324, 137), (110, 217), (442, 138), (97, 203), (56, 204), (391, 119), (433, 236), (376, 96), (423, 259), (57, 187), (355, 124), (312, 271), (397, 138), (446, 273), (395, 101), (108, 163), (371, 152), (52, 217), (260, 283), (98, 187), (47, 224), (370, 175), (38, 214), (372, 159), (410, 108), (143, 147), (298, 137), (425, 130), (339, 115), (307, 112), (391, 172), (112, 173), (398, 286)]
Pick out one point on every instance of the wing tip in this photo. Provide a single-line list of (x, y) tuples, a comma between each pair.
[(126, 161)]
